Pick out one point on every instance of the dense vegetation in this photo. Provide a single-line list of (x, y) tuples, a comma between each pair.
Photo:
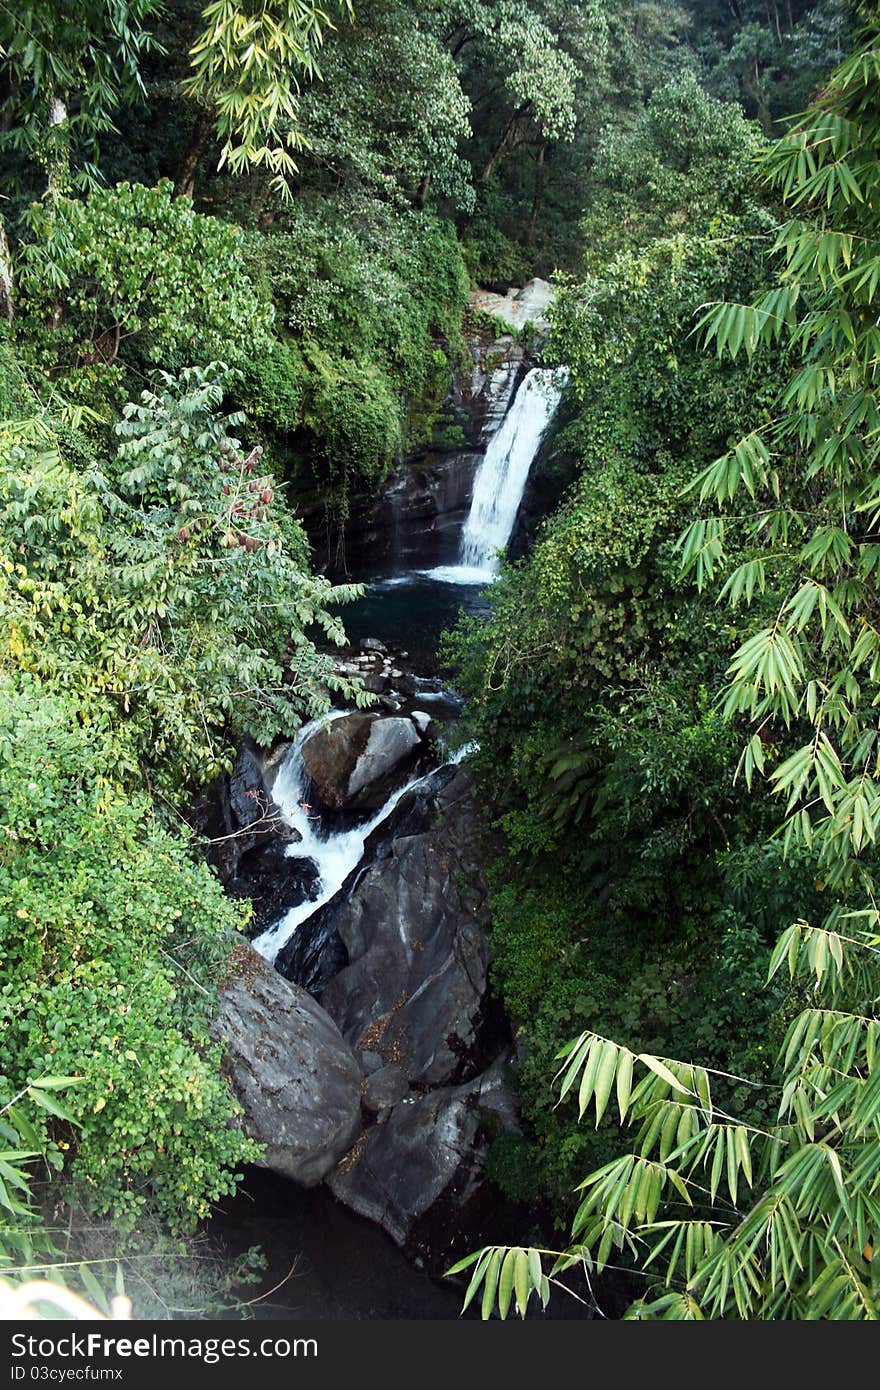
[(234, 263), (624, 701)]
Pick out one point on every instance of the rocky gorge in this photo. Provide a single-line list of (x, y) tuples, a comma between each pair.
[(362, 1037)]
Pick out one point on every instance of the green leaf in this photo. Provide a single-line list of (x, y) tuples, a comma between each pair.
[(660, 1069), (624, 1081)]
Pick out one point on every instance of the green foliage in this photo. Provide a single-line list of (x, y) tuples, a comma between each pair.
[(805, 483), (493, 255), (25, 1141), (769, 58), (111, 938), (687, 157), (356, 415), (632, 893), (368, 284), (171, 587), (87, 58), (722, 1216), (741, 1221), (92, 296), (245, 64), (399, 141), (520, 41), (157, 602), (369, 300), (155, 607)]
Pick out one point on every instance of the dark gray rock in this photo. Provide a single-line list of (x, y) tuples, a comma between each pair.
[(297, 1080), (274, 881), (414, 924), (237, 812), (384, 1088), (429, 1153), (248, 798), (314, 954)]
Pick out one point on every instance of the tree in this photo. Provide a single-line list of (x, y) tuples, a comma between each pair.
[(91, 296), (64, 74), (246, 62), (112, 938), (167, 591), (399, 142), (632, 892), (725, 1219), (765, 55)]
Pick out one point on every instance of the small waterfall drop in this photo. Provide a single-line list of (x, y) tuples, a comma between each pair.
[(334, 853), (501, 478)]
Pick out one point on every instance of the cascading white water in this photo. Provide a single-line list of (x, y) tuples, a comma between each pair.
[(501, 479), (498, 490), (334, 854)]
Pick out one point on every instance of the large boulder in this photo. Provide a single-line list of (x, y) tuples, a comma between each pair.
[(357, 761), (236, 812), (297, 1080), (426, 1156), (414, 924), (519, 306)]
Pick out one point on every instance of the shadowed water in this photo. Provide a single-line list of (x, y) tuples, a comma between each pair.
[(410, 611)]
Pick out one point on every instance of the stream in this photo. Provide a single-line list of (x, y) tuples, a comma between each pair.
[(345, 1267)]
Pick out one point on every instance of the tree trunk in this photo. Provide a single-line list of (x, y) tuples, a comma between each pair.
[(8, 89), (7, 284), (422, 194), (185, 181), (59, 150), (497, 152), (539, 188)]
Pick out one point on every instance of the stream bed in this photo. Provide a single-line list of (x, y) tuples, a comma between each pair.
[(324, 1260)]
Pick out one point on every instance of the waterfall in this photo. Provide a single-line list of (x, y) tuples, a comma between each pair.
[(497, 493), (501, 479), (334, 853)]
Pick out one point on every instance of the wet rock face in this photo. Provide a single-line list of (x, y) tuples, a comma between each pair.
[(357, 761), (296, 1078), (391, 1087), (273, 882), (481, 397), (414, 927), (413, 1002), (314, 954), (414, 521), (426, 1157), (237, 813)]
